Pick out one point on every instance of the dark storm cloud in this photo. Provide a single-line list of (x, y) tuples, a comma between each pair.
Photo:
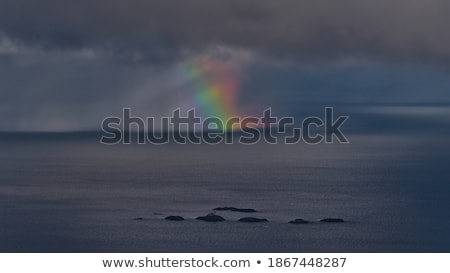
[(392, 30), (66, 65)]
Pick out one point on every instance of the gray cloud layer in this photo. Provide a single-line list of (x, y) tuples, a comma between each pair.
[(319, 30), (65, 65)]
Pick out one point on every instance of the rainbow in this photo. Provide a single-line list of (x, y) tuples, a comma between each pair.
[(216, 84)]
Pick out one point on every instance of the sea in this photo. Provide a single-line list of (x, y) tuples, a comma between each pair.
[(67, 192)]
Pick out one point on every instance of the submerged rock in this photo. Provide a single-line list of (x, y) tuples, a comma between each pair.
[(332, 220), (211, 218), (174, 218), (298, 221), (252, 220), (234, 209), (138, 219)]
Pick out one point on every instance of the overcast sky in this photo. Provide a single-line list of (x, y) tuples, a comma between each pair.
[(65, 65)]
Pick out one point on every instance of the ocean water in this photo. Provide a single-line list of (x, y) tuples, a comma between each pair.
[(68, 193)]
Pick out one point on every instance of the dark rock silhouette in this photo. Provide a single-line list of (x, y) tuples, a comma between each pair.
[(252, 220), (234, 209), (332, 220), (212, 217), (138, 219), (174, 218), (299, 221)]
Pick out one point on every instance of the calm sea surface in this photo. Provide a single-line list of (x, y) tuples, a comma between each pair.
[(68, 193)]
